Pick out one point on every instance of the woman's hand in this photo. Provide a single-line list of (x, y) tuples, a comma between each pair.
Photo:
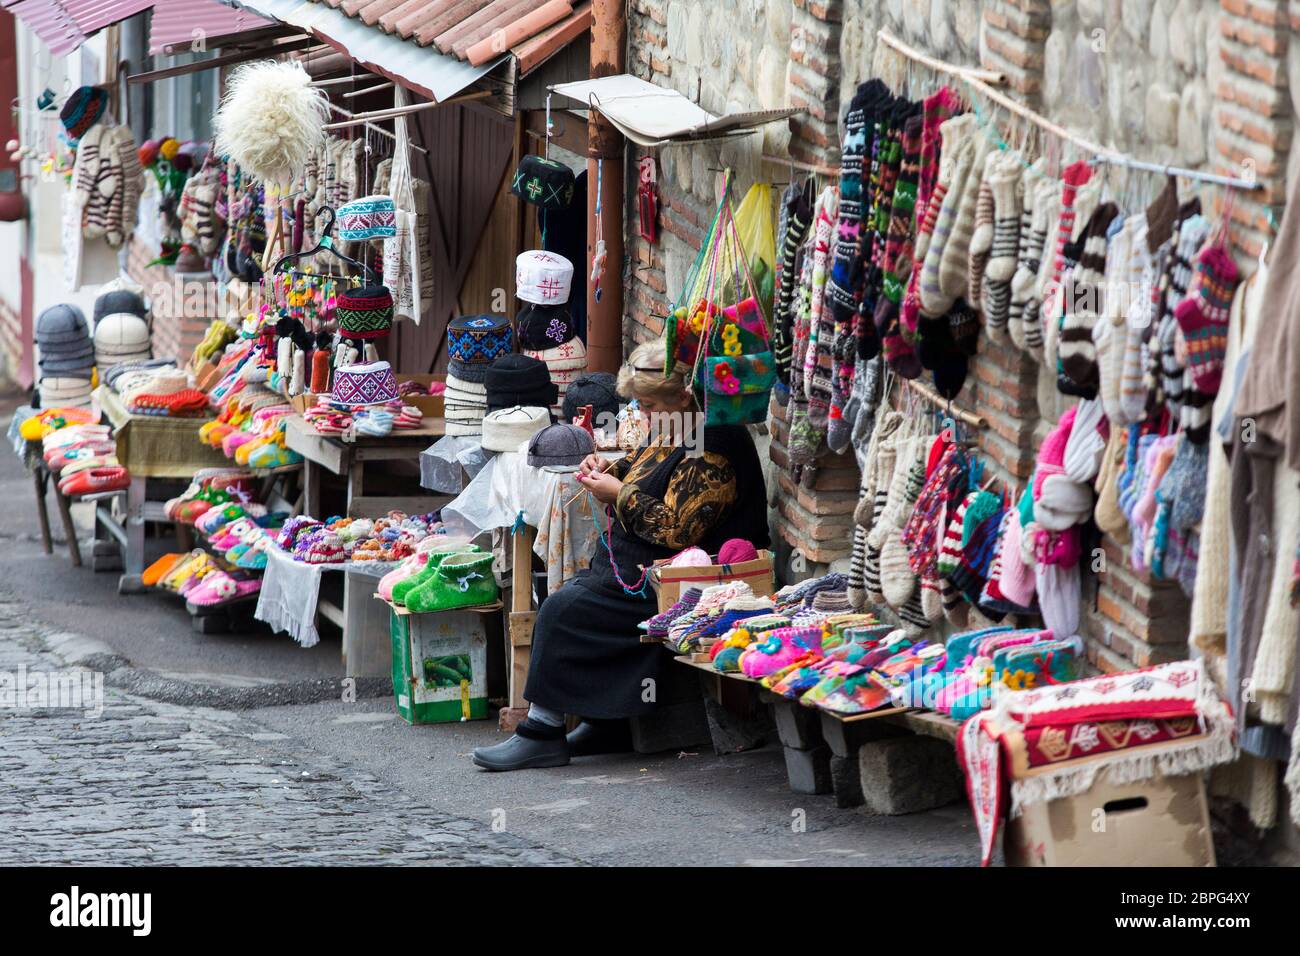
[(591, 465), (605, 488)]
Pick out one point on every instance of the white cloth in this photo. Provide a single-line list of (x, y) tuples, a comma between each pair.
[(289, 596)]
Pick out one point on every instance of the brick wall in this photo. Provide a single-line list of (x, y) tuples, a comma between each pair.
[(182, 312), (1197, 83)]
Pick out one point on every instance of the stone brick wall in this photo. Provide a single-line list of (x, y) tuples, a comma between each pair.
[(1207, 84), (181, 314)]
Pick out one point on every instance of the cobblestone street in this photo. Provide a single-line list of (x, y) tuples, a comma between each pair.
[(149, 782)]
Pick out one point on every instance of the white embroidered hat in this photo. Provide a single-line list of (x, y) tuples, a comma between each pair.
[(543, 278)]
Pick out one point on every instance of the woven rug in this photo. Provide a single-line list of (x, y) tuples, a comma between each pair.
[(1047, 744)]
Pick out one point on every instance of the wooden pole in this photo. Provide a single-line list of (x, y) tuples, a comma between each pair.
[(605, 146)]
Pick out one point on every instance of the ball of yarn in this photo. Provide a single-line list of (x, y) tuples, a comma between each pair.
[(691, 558), (599, 390), (737, 551)]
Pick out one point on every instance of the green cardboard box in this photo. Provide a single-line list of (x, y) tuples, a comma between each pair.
[(440, 664)]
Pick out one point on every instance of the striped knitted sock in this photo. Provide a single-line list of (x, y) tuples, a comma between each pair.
[(1077, 352)]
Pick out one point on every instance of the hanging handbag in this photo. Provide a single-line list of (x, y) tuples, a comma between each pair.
[(403, 273)]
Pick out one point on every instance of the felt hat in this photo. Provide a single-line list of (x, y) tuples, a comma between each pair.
[(82, 111), (368, 384), (543, 278), (475, 372), (367, 218), (507, 428), (61, 323), (518, 380), (117, 302), (543, 182), (365, 313), (545, 326), (598, 389), (464, 406), (560, 447), (566, 363), (121, 332), (479, 339)]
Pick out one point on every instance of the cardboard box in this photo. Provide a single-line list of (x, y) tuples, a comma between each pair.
[(1164, 821), (440, 664), (668, 582), (432, 406)]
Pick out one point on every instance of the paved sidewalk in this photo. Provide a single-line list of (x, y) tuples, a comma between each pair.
[(150, 782)]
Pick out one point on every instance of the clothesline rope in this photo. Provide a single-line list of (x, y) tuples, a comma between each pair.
[(1100, 154)]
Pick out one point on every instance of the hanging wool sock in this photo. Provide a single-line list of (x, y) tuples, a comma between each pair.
[(1203, 317), (1035, 318), (936, 110), (1107, 336), (296, 380), (320, 371), (1033, 236), (1006, 245), (957, 159), (981, 240), (839, 429), (857, 592), (1140, 275), (1077, 352), (955, 264), (796, 220), (1073, 176), (865, 423), (897, 257)]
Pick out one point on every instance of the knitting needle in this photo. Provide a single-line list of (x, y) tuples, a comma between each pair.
[(603, 468)]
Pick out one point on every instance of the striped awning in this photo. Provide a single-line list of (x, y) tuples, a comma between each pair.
[(64, 25)]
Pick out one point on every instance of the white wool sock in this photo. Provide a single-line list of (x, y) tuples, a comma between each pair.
[(955, 161), (955, 265)]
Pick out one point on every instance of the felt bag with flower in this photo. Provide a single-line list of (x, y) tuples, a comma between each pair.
[(723, 333)]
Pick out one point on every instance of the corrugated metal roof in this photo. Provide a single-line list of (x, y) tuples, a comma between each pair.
[(49, 21), (176, 24)]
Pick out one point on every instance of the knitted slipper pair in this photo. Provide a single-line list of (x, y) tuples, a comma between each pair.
[(402, 589)]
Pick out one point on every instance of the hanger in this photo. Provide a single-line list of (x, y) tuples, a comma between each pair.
[(326, 244)]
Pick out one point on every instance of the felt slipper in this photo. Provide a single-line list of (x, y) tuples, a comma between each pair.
[(153, 574)]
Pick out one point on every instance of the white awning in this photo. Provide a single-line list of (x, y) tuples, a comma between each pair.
[(651, 115)]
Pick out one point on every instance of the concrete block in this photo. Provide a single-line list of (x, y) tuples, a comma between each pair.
[(844, 739), (798, 726), (846, 782), (908, 775), (809, 771), (671, 727), (733, 733)]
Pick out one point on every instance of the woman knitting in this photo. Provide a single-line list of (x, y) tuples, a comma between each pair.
[(587, 657)]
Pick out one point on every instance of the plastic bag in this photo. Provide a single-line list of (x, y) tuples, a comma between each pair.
[(756, 226)]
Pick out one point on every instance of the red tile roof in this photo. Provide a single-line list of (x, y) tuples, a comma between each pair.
[(453, 27)]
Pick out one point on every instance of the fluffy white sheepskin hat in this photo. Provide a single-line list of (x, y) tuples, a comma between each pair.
[(271, 118)]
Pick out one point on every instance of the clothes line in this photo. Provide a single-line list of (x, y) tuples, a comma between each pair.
[(1101, 154)]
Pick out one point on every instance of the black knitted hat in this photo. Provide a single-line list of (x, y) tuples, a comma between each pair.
[(516, 379), (598, 389)]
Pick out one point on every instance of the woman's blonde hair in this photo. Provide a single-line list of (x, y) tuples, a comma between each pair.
[(642, 374)]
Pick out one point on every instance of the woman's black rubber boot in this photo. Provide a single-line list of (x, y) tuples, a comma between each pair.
[(533, 746)]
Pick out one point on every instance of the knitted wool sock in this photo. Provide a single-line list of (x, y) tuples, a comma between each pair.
[(1107, 336), (1203, 317), (897, 257), (857, 592), (819, 323), (958, 158), (954, 267), (1132, 394), (936, 110), (963, 322), (796, 219), (1033, 237), (839, 430), (1073, 176), (1007, 200), (1077, 351), (981, 240)]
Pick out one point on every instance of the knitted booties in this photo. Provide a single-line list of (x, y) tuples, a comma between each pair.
[(782, 648), (436, 555), (657, 626), (462, 580)]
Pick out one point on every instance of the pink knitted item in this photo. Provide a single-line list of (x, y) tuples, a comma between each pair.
[(691, 558), (1017, 578), (1051, 454), (737, 551), (780, 648)]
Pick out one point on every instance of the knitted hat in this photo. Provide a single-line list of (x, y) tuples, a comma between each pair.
[(82, 111), (543, 278), (1084, 448), (370, 384), (475, 373), (599, 390), (560, 447), (1016, 579), (545, 326), (365, 313), (479, 339), (737, 551), (367, 218), (507, 428), (1058, 597), (1062, 503), (543, 182), (518, 380), (117, 302)]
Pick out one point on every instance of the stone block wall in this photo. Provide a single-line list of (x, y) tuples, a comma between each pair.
[(1205, 84)]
